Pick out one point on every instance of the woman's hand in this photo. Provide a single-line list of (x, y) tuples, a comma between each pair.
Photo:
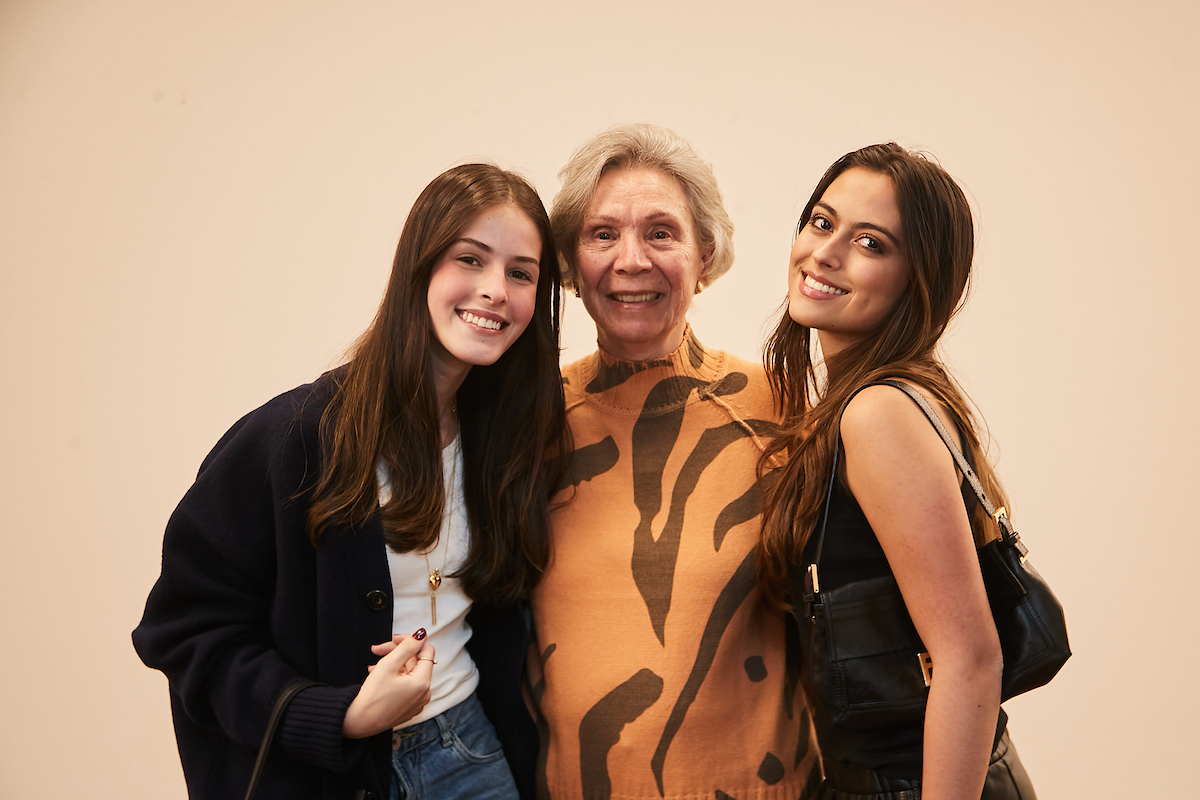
[(396, 689)]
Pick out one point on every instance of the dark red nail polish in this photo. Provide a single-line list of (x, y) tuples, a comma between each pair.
[(420, 634)]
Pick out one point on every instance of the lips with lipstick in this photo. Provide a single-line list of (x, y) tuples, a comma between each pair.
[(813, 283), (482, 322)]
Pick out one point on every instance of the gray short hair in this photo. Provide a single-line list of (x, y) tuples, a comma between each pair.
[(651, 147)]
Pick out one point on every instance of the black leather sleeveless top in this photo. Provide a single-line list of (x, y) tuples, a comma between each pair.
[(852, 553)]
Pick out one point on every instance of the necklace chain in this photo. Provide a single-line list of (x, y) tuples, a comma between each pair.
[(435, 575)]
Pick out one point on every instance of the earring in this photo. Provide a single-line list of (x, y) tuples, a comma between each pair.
[(577, 291)]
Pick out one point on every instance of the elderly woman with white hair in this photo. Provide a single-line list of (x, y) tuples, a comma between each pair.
[(664, 671)]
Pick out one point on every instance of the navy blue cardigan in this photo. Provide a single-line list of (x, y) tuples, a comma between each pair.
[(246, 605)]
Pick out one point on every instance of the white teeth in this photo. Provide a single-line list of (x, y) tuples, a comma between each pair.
[(813, 283), (480, 321), (635, 298)]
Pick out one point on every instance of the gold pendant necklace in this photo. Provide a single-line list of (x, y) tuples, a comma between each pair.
[(435, 580), (435, 575)]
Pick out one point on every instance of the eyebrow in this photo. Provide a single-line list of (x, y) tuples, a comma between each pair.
[(861, 225), (654, 216), (488, 249)]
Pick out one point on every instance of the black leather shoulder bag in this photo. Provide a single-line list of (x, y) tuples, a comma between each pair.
[(867, 661)]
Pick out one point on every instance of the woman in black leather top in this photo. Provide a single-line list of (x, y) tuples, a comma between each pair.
[(880, 264)]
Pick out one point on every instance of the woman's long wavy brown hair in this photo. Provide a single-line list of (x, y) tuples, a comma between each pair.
[(511, 417), (938, 243)]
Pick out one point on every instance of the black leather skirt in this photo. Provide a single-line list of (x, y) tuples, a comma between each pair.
[(1006, 780)]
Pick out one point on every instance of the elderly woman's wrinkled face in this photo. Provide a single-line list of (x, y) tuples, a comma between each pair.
[(639, 263)]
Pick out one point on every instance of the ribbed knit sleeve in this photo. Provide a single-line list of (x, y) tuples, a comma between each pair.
[(312, 728)]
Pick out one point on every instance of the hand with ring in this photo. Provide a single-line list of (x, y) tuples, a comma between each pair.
[(396, 688)]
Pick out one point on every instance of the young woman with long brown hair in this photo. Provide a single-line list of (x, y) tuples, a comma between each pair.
[(880, 263), (404, 491)]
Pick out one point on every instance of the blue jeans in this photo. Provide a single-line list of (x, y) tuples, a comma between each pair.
[(453, 755)]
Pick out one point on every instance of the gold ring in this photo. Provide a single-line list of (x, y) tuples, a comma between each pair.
[(425, 658)]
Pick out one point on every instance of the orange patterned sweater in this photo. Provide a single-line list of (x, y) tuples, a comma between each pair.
[(663, 670)]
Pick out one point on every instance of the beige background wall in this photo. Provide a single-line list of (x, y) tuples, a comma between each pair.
[(199, 200)]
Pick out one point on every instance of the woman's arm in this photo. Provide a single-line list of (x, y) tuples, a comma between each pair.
[(209, 618), (239, 608), (908, 487)]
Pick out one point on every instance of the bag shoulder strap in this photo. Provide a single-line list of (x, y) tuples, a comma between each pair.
[(951, 445), (1001, 516), (837, 449), (276, 715)]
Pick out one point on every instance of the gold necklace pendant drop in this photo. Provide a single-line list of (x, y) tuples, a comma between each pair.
[(435, 575), (435, 580)]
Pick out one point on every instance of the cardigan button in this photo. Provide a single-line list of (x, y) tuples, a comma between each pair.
[(377, 599)]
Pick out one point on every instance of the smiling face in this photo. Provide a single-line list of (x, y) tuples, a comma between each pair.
[(638, 263), (482, 291), (847, 268)]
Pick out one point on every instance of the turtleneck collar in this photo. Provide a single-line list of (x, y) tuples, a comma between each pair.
[(626, 385)]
